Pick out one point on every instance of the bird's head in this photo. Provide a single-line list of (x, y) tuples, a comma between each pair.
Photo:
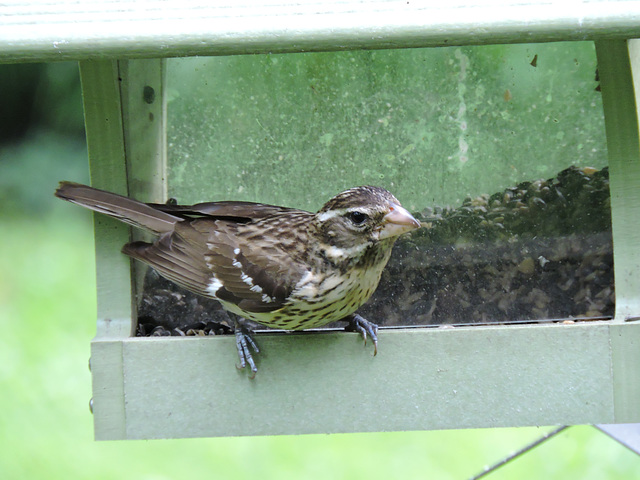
[(359, 217)]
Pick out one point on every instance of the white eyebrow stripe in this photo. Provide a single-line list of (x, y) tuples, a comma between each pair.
[(324, 216)]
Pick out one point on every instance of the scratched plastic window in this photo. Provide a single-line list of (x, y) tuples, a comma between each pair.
[(499, 150)]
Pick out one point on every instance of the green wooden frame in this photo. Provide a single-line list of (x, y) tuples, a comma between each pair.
[(71, 30), (488, 376), (324, 382)]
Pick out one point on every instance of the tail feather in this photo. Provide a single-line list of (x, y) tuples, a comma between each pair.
[(119, 207)]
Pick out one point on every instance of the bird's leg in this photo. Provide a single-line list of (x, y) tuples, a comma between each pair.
[(364, 327), (245, 343)]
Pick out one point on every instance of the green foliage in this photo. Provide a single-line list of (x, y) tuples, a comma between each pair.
[(47, 95), (30, 171)]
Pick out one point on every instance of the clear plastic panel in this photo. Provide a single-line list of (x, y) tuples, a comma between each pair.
[(500, 150)]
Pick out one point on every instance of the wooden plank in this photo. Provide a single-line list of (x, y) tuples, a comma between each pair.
[(103, 121), (623, 145), (125, 116), (69, 30), (108, 399), (143, 87), (326, 383), (619, 69), (105, 141), (144, 120), (625, 347)]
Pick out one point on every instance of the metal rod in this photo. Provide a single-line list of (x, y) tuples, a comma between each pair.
[(517, 453)]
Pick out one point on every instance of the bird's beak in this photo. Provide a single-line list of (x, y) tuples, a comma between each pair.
[(397, 222)]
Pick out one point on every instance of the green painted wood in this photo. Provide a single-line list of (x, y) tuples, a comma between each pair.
[(144, 113), (625, 347), (623, 145), (619, 68), (105, 141), (108, 401), (126, 129), (69, 30), (144, 105), (329, 382)]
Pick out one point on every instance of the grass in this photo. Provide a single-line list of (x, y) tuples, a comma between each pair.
[(47, 318)]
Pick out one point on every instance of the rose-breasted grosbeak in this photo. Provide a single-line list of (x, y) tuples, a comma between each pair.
[(280, 267)]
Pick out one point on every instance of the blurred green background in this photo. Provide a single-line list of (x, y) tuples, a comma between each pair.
[(47, 319)]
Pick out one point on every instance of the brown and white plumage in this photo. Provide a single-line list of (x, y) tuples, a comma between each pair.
[(281, 267)]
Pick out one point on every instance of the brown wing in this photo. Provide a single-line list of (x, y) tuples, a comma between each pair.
[(254, 265), (257, 264), (176, 257)]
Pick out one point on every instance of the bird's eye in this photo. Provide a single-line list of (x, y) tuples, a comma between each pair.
[(358, 218)]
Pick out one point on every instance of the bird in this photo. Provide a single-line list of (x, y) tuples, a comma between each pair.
[(280, 267)]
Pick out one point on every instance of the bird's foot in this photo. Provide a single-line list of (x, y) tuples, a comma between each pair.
[(245, 343), (364, 327)]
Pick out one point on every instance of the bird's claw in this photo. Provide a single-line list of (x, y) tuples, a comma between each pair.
[(364, 327), (245, 343)]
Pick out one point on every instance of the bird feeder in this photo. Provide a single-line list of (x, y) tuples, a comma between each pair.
[(479, 116)]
